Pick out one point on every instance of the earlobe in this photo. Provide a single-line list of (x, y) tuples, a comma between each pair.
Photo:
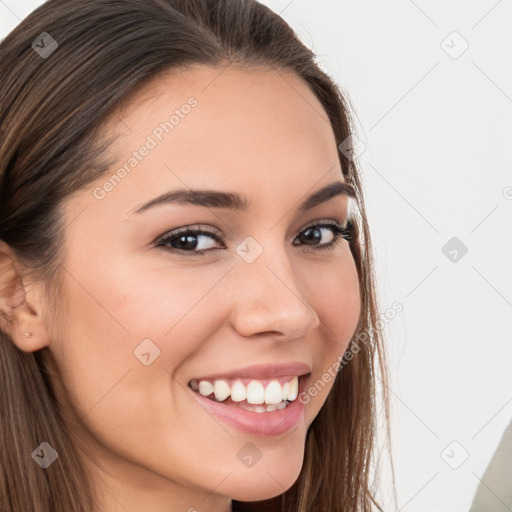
[(20, 311)]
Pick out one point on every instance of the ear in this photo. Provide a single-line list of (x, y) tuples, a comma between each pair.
[(20, 304)]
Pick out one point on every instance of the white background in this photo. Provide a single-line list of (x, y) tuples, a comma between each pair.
[(438, 135)]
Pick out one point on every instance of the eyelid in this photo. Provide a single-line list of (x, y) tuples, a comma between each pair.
[(217, 234), (323, 221), (210, 230)]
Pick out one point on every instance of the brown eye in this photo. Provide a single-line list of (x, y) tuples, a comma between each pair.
[(313, 234), (185, 240)]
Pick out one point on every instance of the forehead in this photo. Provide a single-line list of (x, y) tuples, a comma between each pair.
[(226, 89), (248, 129)]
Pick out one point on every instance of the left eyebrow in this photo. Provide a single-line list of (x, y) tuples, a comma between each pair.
[(236, 202)]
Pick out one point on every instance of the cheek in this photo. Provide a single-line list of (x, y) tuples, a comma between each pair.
[(336, 299), (335, 296), (121, 318), (110, 312), (114, 310)]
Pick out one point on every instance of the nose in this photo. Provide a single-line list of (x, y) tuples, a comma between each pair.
[(268, 300)]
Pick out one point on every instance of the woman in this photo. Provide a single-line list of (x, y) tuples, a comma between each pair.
[(188, 309)]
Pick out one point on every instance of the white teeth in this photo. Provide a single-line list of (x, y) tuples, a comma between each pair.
[(221, 390), (205, 388), (255, 392), (286, 388), (238, 392), (274, 394), (262, 407), (294, 389)]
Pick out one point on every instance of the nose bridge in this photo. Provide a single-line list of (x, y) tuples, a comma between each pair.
[(268, 299)]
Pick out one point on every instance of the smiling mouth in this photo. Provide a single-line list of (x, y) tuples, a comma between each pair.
[(254, 395)]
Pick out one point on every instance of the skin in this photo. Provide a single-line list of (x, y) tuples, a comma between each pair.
[(156, 448)]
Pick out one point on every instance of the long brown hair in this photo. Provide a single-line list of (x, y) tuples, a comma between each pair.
[(52, 109)]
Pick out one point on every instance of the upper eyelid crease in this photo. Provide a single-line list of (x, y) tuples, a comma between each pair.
[(235, 202)]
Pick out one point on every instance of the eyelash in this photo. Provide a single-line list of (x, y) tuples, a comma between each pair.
[(340, 232)]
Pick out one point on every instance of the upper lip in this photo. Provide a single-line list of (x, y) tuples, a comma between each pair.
[(262, 371)]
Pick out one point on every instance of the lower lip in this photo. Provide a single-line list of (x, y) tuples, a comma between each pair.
[(264, 424)]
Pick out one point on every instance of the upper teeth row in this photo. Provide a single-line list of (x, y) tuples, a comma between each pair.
[(254, 392)]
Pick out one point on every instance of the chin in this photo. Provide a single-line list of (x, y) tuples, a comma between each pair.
[(264, 484)]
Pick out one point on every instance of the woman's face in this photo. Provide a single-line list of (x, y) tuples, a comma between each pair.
[(142, 320)]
